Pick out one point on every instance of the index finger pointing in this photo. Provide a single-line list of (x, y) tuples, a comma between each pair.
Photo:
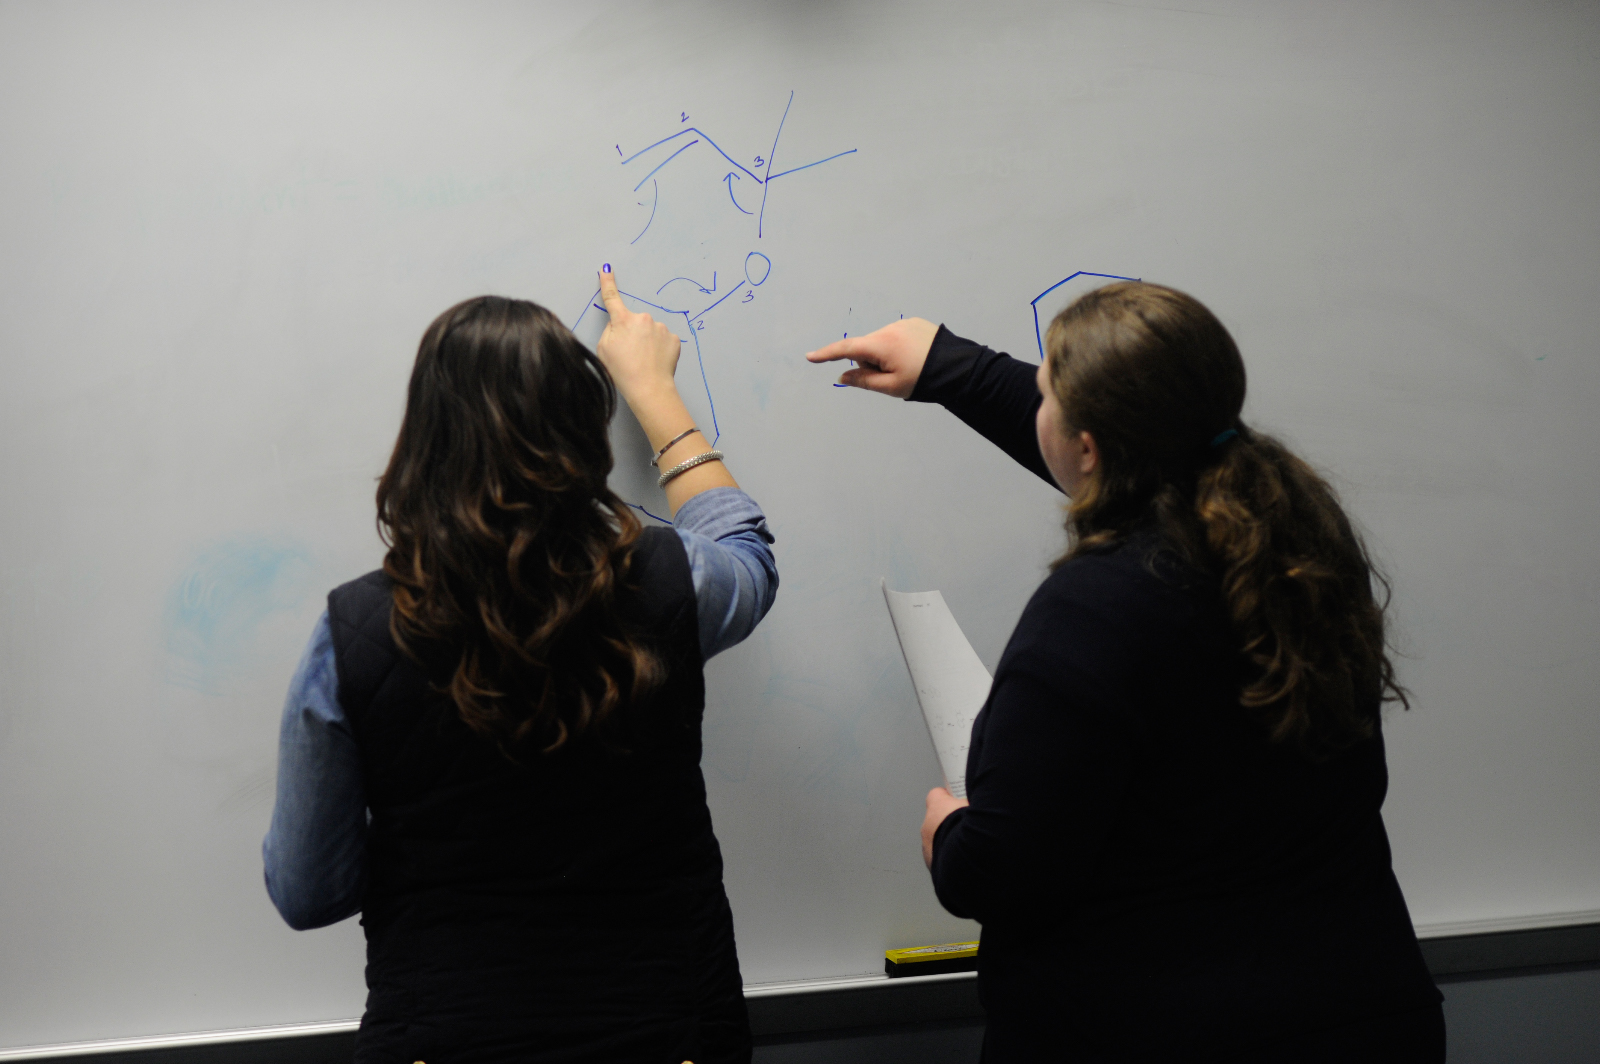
[(850, 347), (609, 295)]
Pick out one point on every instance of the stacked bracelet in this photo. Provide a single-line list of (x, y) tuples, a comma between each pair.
[(684, 467), (685, 434)]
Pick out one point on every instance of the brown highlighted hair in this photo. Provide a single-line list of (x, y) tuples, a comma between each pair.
[(507, 550), (1155, 378)]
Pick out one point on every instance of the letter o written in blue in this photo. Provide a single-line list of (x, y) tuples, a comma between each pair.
[(765, 268)]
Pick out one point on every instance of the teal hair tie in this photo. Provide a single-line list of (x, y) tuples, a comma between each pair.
[(1224, 436)]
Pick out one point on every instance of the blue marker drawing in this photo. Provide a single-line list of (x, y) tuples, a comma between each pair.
[(692, 281), (714, 305), (669, 158), (765, 273), (765, 185), (730, 179), (1038, 335), (653, 206), (698, 355), (757, 267), (808, 166), (764, 179), (675, 136), (664, 520)]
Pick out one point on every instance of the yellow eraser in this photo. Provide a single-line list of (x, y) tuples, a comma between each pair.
[(926, 960)]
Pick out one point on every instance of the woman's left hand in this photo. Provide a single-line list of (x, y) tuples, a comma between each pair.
[(941, 803)]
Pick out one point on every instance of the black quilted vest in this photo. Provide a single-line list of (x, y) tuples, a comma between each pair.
[(566, 908)]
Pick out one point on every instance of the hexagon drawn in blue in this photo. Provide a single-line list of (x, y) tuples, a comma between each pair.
[(1038, 334)]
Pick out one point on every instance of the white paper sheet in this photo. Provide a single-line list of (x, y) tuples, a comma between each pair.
[(951, 683)]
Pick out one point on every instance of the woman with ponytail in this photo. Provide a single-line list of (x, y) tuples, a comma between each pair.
[(491, 749), (1173, 840)]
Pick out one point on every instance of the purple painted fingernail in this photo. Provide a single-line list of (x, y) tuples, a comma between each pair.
[(606, 268)]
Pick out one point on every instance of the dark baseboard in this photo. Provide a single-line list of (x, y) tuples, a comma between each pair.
[(1508, 951)]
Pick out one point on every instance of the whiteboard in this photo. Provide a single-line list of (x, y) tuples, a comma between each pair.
[(224, 229)]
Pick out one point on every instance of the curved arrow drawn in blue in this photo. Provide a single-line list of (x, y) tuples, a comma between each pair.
[(730, 179), (697, 284), (653, 205)]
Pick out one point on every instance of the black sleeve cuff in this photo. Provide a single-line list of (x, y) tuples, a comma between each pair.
[(944, 829), (946, 880), (990, 391), (944, 375)]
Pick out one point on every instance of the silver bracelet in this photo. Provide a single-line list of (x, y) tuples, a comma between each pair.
[(684, 467), (679, 438)]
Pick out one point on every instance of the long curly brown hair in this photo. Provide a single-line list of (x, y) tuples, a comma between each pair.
[(1155, 378), (507, 549)]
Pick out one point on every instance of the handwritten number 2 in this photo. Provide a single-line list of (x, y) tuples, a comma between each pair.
[(685, 117), (700, 325)]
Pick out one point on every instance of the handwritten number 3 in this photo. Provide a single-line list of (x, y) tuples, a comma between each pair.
[(748, 296)]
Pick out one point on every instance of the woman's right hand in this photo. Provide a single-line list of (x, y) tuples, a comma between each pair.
[(888, 361), (640, 353)]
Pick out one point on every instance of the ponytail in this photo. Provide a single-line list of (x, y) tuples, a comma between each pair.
[(1297, 583), (1157, 381)]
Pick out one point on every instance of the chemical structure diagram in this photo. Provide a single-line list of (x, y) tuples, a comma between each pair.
[(678, 296), (1038, 333)]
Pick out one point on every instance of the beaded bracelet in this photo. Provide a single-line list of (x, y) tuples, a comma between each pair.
[(684, 467)]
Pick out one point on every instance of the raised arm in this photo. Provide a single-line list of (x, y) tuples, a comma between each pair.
[(722, 529), (642, 356), (926, 363)]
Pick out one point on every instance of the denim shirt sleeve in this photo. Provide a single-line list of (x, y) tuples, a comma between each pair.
[(315, 850), (730, 554)]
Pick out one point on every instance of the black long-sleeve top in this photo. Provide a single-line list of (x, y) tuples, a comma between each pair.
[(1155, 879)]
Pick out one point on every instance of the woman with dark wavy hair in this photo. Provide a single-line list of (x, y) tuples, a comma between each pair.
[(491, 749), (1173, 840)]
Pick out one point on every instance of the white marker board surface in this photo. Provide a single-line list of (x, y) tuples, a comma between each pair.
[(224, 230)]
